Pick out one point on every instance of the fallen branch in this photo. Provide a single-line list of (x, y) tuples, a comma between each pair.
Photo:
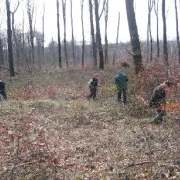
[(140, 163)]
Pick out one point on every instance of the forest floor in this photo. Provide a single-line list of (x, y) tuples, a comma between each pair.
[(49, 130)]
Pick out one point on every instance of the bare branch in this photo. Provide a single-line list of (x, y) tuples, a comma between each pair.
[(104, 3), (17, 6)]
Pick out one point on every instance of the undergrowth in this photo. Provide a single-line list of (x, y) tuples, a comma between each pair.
[(49, 130)]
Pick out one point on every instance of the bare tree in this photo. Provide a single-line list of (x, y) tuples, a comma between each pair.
[(149, 34), (82, 23), (98, 36), (9, 33), (94, 45), (106, 59), (30, 12), (165, 48), (177, 28), (156, 10), (136, 48), (64, 20), (117, 38), (59, 37), (72, 31)]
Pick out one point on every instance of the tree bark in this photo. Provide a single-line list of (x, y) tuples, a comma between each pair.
[(98, 36), (135, 43), (117, 38), (165, 48), (177, 30), (94, 45), (9, 33), (72, 29), (59, 37)]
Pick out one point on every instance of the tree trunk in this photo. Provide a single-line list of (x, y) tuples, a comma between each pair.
[(1, 53), (98, 36), (83, 41), (117, 38), (64, 20), (165, 48), (59, 38), (106, 39), (177, 29), (72, 29), (137, 57), (94, 45), (9, 33), (30, 12), (16, 43), (149, 34), (43, 19), (156, 9)]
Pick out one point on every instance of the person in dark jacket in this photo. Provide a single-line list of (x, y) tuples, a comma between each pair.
[(3, 90), (158, 101), (93, 84), (121, 81)]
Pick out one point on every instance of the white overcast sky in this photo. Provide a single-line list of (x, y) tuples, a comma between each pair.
[(115, 6)]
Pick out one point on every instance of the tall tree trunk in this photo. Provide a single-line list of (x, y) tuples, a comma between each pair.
[(82, 23), (156, 9), (43, 21), (106, 58), (177, 29), (1, 53), (14, 34), (30, 12), (149, 34), (94, 45), (16, 43), (98, 36), (9, 33), (72, 31), (64, 20), (135, 43), (117, 38), (59, 37), (165, 48)]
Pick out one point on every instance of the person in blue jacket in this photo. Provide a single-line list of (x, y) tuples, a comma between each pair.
[(121, 81)]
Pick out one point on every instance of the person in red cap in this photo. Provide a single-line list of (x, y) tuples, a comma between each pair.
[(93, 84), (158, 101)]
